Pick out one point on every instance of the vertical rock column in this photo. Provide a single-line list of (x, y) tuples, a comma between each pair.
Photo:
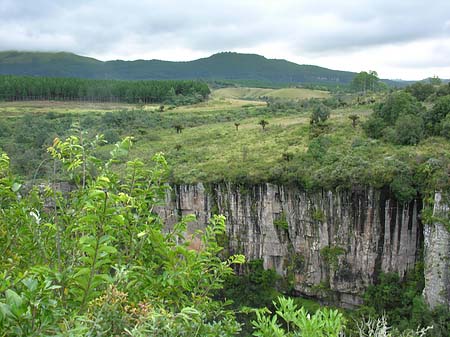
[(437, 257)]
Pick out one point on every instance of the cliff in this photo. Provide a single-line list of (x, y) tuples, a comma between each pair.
[(437, 256), (331, 244)]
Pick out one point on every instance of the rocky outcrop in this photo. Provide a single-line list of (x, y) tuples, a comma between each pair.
[(333, 244), (437, 256)]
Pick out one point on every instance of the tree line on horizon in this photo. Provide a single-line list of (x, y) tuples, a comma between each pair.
[(149, 91)]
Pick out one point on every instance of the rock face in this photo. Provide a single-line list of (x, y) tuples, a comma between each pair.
[(437, 257), (332, 244)]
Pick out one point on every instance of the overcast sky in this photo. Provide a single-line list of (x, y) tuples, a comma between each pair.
[(408, 39)]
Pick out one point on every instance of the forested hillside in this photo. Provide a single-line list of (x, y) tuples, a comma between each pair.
[(225, 66)]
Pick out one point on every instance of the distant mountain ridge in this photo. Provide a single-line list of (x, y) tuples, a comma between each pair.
[(221, 66)]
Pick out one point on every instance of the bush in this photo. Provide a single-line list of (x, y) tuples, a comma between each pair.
[(397, 104), (435, 116), (408, 130), (100, 264), (320, 113), (445, 127), (291, 321), (421, 91), (374, 127)]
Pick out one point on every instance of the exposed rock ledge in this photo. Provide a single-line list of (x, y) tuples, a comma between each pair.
[(366, 231), (437, 257)]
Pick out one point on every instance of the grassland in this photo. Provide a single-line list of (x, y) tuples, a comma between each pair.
[(260, 93), (211, 149)]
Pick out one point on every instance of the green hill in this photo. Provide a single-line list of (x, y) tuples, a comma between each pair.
[(222, 66)]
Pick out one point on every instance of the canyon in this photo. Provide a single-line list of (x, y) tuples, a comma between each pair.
[(330, 244)]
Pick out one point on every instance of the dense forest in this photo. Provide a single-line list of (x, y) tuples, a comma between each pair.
[(13, 88)]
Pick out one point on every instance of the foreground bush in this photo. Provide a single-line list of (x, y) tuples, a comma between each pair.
[(96, 260)]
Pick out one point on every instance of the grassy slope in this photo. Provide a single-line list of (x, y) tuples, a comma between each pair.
[(210, 149), (258, 93)]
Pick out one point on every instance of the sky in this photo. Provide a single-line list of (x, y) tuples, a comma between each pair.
[(400, 39)]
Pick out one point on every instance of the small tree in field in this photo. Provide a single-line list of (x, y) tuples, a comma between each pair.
[(354, 119), (320, 114), (179, 128), (236, 125), (263, 123)]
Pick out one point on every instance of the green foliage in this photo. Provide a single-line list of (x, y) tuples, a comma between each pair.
[(397, 104), (281, 221), (443, 90), (435, 117), (366, 81), (403, 185), (421, 90), (445, 127), (402, 303), (97, 262), (435, 80), (408, 130), (354, 118), (247, 69), (374, 127), (318, 215), (330, 255), (397, 120), (39, 88), (331, 156), (252, 287), (297, 322), (320, 114), (263, 123)]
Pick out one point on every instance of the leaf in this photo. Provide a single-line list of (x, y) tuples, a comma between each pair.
[(82, 272), (5, 311), (31, 284), (13, 299), (104, 179), (189, 218), (15, 187), (94, 194), (108, 249), (141, 234)]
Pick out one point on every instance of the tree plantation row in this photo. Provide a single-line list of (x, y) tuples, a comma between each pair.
[(47, 88)]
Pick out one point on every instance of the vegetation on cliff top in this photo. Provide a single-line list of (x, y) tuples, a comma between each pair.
[(203, 143)]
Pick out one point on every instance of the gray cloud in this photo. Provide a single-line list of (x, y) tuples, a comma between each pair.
[(308, 28)]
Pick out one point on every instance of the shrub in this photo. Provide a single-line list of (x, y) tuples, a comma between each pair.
[(320, 113), (421, 91), (374, 127), (408, 130), (435, 116), (397, 104), (99, 263), (291, 321)]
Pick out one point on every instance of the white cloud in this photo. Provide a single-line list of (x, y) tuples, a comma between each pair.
[(399, 39)]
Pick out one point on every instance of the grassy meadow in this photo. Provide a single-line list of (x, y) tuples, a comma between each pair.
[(221, 140), (261, 93)]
